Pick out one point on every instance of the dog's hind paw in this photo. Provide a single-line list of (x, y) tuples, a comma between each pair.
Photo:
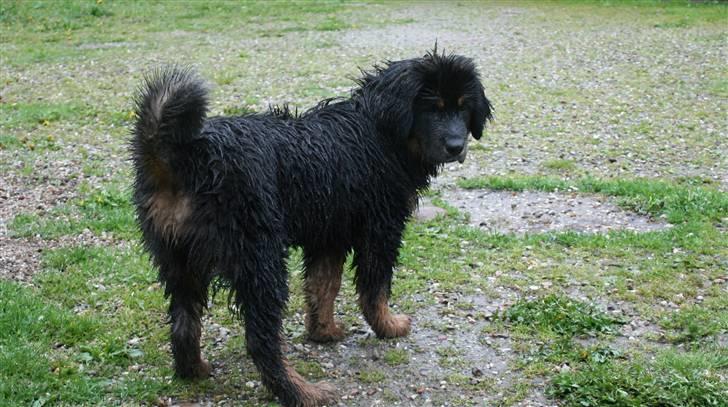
[(201, 370)]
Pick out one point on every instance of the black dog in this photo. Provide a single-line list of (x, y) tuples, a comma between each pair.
[(224, 197)]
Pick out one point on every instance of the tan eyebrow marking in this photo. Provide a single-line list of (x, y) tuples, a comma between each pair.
[(461, 100), (440, 103)]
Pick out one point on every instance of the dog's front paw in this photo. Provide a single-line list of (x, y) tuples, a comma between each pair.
[(332, 332), (394, 326)]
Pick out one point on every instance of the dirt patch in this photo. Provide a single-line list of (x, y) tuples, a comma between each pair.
[(19, 258), (539, 212), (447, 349)]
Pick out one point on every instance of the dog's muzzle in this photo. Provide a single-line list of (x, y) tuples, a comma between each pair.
[(461, 156)]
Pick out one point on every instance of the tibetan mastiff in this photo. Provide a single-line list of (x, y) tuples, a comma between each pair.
[(223, 198)]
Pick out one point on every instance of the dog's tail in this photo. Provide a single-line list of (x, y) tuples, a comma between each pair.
[(170, 107)]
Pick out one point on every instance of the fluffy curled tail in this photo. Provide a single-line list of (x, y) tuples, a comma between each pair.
[(171, 107)]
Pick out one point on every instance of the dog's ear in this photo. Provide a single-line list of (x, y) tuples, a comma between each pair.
[(403, 86), (389, 93), (482, 111)]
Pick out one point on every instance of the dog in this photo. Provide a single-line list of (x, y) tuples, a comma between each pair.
[(223, 198)]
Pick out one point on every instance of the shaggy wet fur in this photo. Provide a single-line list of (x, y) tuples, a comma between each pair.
[(223, 198)]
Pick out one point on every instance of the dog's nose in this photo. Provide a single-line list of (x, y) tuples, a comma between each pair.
[(454, 146)]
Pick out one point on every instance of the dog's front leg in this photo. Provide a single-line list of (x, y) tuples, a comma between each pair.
[(374, 261)]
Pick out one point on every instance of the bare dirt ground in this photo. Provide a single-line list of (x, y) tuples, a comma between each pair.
[(540, 212)]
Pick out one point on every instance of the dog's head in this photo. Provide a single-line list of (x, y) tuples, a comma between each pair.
[(430, 105)]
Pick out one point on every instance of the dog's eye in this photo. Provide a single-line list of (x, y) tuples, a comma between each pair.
[(461, 101), (440, 103)]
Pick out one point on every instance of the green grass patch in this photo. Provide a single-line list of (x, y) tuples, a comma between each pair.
[(103, 210), (560, 165), (718, 87), (396, 357), (371, 376), (40, 356), (695, 323), (310, 369), (33, 115), (29, 143), (72, 340), (46, 31), (472, 383), (671, 379), (667, 14), (331, 24), (560, 315)]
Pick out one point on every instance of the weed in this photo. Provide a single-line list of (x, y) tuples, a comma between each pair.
[(371, 376), (695, 323), (672, 379), (396, 357), (561, 315), (560, 165)]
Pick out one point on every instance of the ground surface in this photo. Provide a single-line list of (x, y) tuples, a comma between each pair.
[(579, 257)]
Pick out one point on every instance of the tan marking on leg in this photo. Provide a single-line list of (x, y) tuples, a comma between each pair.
[(384, 323), (168, 211), (323, 280), (312, 394)]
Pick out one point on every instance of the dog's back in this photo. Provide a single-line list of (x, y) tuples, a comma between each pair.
[(319, 174)]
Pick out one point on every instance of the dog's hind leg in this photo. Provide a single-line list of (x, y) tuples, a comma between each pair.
[(187, 289), (261, 292), (322, 281), (374, 260)]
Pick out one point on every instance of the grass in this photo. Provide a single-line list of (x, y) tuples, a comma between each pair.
[(665, 14), (560, 165), (671, 379), (396, 357), (694, 323), (89, 327), (106, 210), (371, 376), (560, 315), (29, 115), (53, 355)]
